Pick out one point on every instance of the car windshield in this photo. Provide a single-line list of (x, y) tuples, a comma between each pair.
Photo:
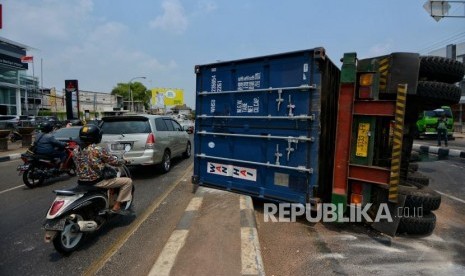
[(66, 133), (126, 127)]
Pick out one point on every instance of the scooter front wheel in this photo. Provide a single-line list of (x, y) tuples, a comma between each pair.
[(31, 178), (70, 238)]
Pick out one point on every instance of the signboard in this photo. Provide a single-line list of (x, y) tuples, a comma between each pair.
[(72, 99), (166, 97), (12, 62)]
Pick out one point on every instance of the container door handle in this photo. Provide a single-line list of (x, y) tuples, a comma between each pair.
[(291, 107), (279, 100), (277, 154), (289, 148)]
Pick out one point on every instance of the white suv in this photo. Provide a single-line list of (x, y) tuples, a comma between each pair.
[(153, 139)]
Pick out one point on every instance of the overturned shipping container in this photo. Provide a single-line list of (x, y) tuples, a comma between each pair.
[(265, 126)]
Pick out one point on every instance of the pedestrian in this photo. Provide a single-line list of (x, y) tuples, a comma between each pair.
[(442, 129)]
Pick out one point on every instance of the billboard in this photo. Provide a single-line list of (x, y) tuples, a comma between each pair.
[(166, 97)]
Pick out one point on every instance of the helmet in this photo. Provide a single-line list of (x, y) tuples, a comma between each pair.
[(90, 134), (46, 127)]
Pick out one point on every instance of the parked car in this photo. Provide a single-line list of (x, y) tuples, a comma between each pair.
[(51, 119), (9, 121), (68, 133), (153, 139)]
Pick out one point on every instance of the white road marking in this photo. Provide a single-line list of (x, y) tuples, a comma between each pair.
[(14, 188), (332, 256), (175, 243), (451, 197), (379, 248), (169, 253), (194, 204)]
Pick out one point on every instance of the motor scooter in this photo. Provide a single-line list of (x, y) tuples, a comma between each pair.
[(81, 210)]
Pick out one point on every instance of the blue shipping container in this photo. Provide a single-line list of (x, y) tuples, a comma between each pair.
[(265, 126)]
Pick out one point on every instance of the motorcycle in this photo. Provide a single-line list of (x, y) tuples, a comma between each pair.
[(80, 210), (15, 136), (37, 168)]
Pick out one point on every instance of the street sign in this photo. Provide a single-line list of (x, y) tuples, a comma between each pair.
[(437, 9), (71, 85)]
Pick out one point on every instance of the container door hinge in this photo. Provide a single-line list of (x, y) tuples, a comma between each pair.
[(278, 155), (279, 100), (291, 107)]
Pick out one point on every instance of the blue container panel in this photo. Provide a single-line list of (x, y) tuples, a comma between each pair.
[(257, 150), (266, 182)]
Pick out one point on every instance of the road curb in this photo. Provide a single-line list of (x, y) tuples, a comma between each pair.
[(10, 157), (439, 151), (251, 256)]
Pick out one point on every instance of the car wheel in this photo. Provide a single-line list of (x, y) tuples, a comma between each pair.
[(166, 162), (187, 153)]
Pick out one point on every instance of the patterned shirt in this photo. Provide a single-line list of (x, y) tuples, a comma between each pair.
[(90, 162)]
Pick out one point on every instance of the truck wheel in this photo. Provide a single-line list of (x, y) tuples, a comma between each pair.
[(413, 167), (417, 179), (424, 197), (432, 94), (415, 225), (414, 156), (433, 68)]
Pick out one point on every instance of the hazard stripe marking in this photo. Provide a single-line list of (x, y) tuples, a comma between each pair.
[(397, 147)]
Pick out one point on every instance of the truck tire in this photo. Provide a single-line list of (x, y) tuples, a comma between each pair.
[(413, 167), (415, 225), (417, 179), (424, 197), (432, 94), (433, 68), (414, 156)]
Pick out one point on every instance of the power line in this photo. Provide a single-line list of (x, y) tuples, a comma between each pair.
[(453, 38)]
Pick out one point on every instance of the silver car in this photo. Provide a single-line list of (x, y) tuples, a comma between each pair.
[(152, 139)]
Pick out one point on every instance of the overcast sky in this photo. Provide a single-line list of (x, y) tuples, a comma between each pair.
[(103, 42)]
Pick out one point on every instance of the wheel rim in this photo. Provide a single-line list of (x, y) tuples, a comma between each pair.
[(167, 163), (69, 239), (30, 177), (188, 150)]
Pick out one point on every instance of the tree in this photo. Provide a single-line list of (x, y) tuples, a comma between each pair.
[(139, 92)]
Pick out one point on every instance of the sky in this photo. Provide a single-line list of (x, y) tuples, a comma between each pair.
[(104, 42)]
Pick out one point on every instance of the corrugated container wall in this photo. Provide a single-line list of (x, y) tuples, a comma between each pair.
[(265, 126)]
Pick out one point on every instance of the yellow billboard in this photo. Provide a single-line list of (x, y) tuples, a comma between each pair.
[(166, 97)]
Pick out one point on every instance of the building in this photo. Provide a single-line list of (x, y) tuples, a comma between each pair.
[(98, 102), (19, 93), (457, 52)]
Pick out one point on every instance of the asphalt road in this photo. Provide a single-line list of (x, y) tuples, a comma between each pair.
[(127, 246), (302, 248)]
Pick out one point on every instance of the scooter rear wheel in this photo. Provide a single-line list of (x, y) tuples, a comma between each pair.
[(68, 240)]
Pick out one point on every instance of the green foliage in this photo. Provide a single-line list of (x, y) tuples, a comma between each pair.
[(139, 92)]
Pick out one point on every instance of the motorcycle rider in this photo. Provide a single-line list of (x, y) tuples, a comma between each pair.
[(90, 161), (46, 144)]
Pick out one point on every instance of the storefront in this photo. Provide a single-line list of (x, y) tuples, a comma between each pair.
[(18, 92)]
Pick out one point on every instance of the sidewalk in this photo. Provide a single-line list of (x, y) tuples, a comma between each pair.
[(217, 235), (14, 151)]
